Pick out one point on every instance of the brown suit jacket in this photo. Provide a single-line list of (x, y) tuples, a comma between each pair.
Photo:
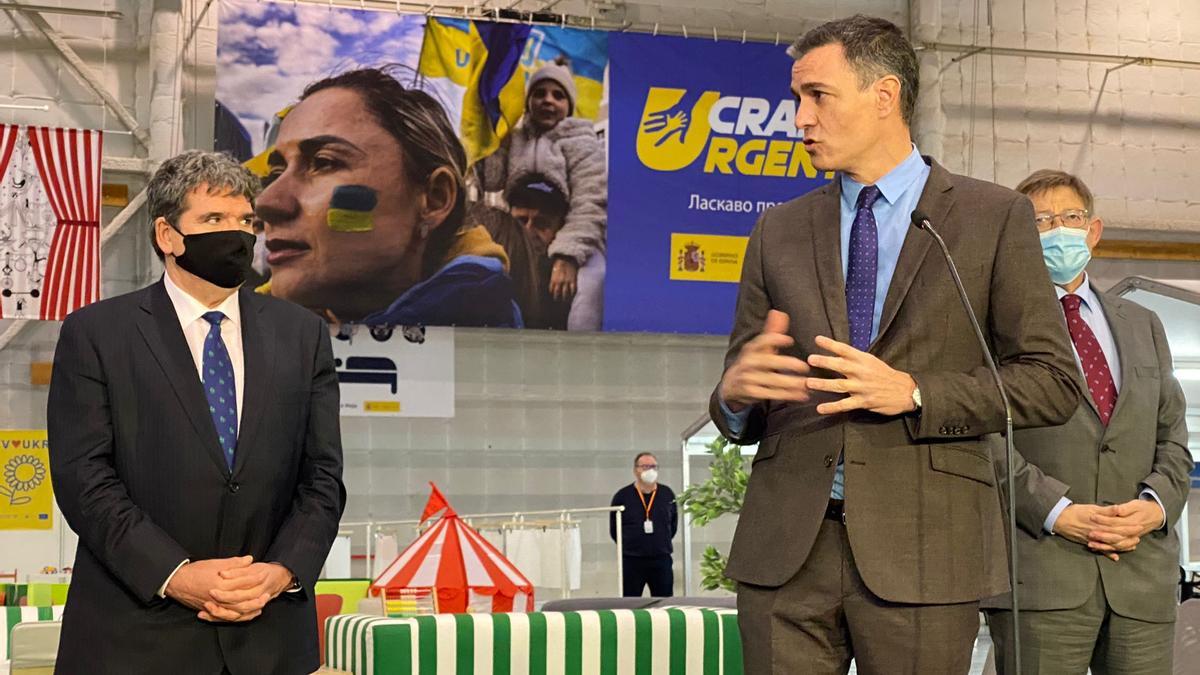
[(1144, 445), (922, 509)]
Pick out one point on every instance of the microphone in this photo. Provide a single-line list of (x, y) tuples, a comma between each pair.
[(921, 222)]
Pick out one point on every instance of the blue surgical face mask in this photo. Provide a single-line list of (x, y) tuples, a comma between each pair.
[(1065, 252)]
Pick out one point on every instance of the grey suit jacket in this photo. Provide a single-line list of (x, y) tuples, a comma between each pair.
[(1144, 445), (922, 510)]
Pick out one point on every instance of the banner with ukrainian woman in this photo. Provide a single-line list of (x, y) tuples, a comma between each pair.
[(417, 170)]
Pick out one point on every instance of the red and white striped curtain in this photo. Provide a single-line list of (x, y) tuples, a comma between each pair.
[(8, 141), (68, 162)]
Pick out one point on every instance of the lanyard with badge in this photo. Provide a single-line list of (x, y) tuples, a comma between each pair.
[(648, 525)]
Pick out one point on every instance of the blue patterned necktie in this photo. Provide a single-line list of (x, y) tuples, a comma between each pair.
[(219, 387), (863, 263)]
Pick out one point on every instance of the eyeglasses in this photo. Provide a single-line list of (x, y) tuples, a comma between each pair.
[(646, 467), (1076, 219)]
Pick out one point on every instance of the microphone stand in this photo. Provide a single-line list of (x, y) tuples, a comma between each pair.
[(921, 222)]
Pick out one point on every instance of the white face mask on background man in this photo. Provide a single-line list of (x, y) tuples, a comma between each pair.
[(646, 470)]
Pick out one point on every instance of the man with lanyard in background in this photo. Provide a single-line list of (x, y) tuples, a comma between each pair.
[(648, 524)]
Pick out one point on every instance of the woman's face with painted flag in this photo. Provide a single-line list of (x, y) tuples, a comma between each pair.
[(341, 217)]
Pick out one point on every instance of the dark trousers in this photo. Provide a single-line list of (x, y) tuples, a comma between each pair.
[(655, 572), (825, 615)]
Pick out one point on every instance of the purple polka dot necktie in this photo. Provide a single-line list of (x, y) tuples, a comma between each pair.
[(861, 268), (217, 376), (1091, 356)]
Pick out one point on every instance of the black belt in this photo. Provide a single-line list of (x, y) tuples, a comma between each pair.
[(836, 510)]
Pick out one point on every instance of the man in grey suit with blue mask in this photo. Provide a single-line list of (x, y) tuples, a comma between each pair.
[(1098, 497)]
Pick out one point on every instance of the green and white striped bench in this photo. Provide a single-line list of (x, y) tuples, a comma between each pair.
[(690, 641), (15, 615)]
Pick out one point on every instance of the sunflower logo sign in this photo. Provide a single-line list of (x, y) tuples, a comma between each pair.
[(26, 495)]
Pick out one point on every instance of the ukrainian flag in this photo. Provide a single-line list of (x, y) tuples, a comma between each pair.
[(483, 60)]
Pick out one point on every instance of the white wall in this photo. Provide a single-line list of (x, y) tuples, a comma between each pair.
[(1137, 146)]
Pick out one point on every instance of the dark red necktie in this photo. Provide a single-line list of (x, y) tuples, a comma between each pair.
[(1095, 366)]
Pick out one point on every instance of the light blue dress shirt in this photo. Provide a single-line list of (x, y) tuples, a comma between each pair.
[(1092, 313), (900, 190)]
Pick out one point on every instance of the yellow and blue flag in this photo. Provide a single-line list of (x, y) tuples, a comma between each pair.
[(483, 67), (483, 61)]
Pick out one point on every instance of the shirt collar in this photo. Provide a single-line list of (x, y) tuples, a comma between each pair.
[(1085, 292), (893, 184), (190, 309)]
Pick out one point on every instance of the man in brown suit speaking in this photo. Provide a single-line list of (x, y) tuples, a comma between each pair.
[(872, 525)]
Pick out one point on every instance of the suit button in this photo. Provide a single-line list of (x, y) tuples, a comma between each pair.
[(1106, 448), (233, 487), (828, 460), (942, 430)]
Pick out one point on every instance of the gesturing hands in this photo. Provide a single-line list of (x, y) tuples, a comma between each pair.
[(228, 589), (867, 382), (761, 373)]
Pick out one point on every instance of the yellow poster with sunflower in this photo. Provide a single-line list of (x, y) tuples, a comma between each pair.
[(26, 496)]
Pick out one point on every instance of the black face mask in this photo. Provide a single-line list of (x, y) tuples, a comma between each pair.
[(220, 258)]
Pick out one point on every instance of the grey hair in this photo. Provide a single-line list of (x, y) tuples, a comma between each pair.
[(874, 48), (179, 176), (1048, 179)]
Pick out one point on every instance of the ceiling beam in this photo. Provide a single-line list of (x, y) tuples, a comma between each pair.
[(82, 71)]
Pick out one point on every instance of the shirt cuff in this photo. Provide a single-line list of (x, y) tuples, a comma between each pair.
[(1149, 492), (736, 421), (295, 587), (162, 591), (1055, 512)]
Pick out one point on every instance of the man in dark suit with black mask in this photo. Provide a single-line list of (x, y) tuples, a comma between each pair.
[(196, 451)]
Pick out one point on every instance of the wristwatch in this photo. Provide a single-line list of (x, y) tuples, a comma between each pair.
[(917, 397)]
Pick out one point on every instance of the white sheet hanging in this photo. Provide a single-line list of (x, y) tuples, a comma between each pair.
[(386, 550), (538, 553)]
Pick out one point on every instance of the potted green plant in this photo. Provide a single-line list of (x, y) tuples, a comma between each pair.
[(722, 493)]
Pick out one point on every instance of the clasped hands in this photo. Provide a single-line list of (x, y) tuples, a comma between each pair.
[(1109, 530), (228, 589), (762, 373)]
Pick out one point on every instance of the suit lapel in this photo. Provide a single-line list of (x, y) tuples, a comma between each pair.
[(259, 372), (1123, 337), (827, 254), (935, 201), (159, 326)]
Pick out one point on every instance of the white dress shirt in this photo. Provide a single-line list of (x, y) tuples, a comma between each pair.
[(191, 312), (195, 329)]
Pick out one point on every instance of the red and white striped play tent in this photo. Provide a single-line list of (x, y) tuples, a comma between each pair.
[(457, 566)]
